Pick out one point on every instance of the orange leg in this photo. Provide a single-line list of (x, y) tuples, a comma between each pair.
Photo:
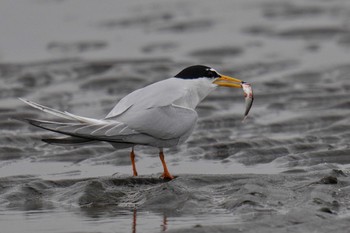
[(132, 157), (166, 174)]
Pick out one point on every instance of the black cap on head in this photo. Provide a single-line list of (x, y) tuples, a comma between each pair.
[(197, 71)]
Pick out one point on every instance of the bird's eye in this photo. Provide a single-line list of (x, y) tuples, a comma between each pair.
[(211, 74)]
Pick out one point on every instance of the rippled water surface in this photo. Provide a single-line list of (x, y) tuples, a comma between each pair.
[(286, 168)]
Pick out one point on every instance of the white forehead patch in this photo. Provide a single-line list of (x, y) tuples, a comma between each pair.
[(211, 69)]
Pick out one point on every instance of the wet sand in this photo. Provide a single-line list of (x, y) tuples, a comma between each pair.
[(285, 169)]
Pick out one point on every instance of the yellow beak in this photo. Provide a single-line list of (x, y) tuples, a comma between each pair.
[(227, 81)]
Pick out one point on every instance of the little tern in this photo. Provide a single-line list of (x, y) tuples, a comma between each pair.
[(160, 115)]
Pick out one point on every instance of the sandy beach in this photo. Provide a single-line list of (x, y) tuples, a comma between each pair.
[(285, 169)]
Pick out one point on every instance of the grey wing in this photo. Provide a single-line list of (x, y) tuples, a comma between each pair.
[(108, 131), (82, 129), (166, 122)]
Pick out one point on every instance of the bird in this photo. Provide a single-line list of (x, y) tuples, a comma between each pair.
[(160, 115)]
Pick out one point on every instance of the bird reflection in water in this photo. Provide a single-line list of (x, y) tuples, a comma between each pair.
[(164, 225), (134, 215)]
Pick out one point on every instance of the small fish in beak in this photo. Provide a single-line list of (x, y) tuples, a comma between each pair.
[(249, 98)]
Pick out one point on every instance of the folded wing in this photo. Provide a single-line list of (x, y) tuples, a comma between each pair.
[(150, 126), (80, 129), (166, 122), (107, 131)]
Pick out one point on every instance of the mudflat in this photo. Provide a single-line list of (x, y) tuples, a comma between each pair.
[(284, 169)]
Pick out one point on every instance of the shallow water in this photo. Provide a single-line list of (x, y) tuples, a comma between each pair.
[(286, 168), (121, 221)]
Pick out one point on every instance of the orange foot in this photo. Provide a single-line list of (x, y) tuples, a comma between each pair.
[(166, 174)]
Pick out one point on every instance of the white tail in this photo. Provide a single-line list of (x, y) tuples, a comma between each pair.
[(58, 113)]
